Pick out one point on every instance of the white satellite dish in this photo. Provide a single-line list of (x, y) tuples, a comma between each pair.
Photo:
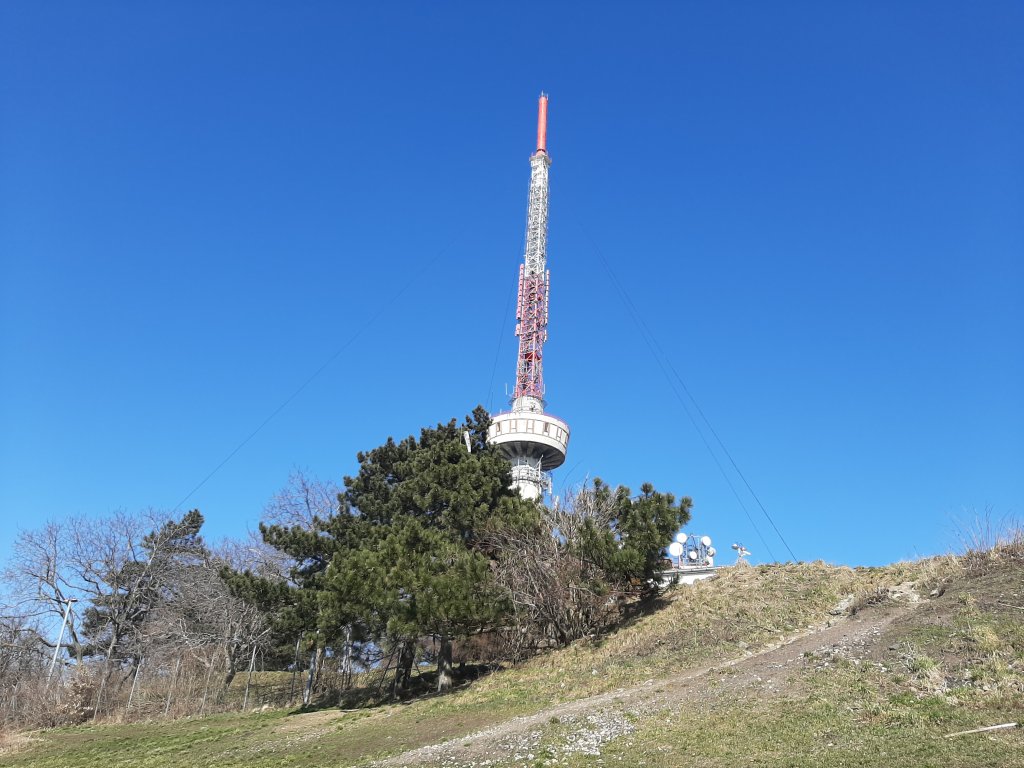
[(712, 551), (705, 540), (735, 546), (681, 537), (675, 549), (692, 554)]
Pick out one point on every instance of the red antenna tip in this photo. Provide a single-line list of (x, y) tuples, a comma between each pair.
[(542, 123)]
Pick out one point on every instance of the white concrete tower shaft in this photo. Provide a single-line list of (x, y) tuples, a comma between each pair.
[(533, 441)]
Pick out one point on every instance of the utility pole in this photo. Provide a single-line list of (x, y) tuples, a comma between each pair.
[(60, 640)]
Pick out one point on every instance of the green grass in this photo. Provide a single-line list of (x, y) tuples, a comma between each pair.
[(848, 715), (813, 733), (842, 717), (845, 720), (311, 739)]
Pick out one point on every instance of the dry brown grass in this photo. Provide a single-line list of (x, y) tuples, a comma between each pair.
[(742, 609), (988, 540), (13, 741)]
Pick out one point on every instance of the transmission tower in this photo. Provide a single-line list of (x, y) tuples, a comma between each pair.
[(532, 440)]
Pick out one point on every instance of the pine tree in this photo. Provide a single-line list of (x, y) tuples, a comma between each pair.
[(297, 608), (416, 564), (406, 554), (629, 546)]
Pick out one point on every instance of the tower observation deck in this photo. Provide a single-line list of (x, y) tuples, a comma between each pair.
[(533, 441)]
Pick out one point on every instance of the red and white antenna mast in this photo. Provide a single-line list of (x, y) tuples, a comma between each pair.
[(534, 279), (532, 440)]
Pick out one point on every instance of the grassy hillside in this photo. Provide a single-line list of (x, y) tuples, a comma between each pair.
[(919, 671), (953, 663)]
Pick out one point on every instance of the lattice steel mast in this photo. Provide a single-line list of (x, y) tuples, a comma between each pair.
[(534, 279), (533, 441)]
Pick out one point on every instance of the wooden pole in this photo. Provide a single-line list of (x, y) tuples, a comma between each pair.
[(295, 670), (206, 689), (982, 730), (103, 683), (252, 663), (170, 689), (60, 640), (135, 680), (384, 674)]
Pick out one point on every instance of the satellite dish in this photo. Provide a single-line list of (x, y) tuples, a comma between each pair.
[(675, 549), (735, 546), (705, 540), (692, 555), (712, 551), (681, 537)]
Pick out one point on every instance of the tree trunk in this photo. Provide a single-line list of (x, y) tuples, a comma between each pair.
[(445, 677), (229, 666), (403, 671), (307, 695), (321, 654), (346, 667)]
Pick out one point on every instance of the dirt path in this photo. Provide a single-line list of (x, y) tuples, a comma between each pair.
[(598, 719)]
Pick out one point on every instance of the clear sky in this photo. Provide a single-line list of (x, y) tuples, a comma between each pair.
[(816, 209)]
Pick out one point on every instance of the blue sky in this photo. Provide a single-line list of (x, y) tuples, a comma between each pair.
[(814, 207)]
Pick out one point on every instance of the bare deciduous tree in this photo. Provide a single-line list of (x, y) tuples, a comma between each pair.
[(200, 616), (301, 502), (151, 602), (556, 590)]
